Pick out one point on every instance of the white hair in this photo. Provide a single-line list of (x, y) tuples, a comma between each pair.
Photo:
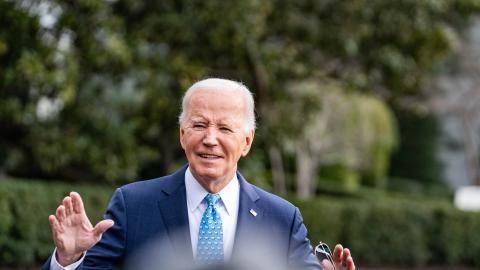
[(222, 85)]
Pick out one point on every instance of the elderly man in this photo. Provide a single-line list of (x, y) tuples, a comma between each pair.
[(207, 211)]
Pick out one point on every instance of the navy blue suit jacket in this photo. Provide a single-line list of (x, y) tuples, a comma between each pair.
[(157, 209)]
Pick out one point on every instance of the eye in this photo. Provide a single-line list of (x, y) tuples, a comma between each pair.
[(199, 126), (226, 130)]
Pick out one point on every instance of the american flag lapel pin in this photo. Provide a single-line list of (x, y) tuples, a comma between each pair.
[(253, 212)]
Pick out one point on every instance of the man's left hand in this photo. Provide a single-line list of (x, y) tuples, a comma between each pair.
[(342, 258)]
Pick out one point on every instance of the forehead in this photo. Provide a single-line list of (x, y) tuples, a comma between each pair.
[(217, 104)]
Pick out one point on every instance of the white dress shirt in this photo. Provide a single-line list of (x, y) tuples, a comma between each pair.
[(228, 208)]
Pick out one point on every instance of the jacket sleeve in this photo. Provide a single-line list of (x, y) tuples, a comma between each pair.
[(109, 252), (300, 254)]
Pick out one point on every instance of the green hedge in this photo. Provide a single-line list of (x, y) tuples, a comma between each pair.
[(25, 235), (396, 231), (379, 229)]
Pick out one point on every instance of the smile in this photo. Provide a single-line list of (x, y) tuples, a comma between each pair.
[(209, 156)]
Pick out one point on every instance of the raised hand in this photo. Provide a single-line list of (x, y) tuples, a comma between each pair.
[(342, 258), (72, 231)]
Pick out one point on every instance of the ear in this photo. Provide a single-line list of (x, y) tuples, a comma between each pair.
[(248, 142), (182, 137)]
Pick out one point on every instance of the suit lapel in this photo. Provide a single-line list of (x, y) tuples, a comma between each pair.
[(250, 215), (173, 209)]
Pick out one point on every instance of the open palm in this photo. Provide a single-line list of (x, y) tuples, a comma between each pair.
[(73, 232)]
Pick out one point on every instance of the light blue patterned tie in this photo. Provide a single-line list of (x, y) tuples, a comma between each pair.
[(210, 235)]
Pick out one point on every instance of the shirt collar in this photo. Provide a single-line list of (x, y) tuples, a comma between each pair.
[(196, 193)]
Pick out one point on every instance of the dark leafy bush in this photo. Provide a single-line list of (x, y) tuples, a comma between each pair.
[(395, 231)]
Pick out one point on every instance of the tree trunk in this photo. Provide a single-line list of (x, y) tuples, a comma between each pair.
[(259, 71), (306, 167), (278, 172)]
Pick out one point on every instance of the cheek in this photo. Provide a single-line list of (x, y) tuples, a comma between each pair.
[(188, 140), (236, 149)]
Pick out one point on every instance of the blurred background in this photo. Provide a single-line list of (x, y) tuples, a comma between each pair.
[(368, 115)]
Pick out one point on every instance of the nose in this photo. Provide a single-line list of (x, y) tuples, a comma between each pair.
[(210, 137)]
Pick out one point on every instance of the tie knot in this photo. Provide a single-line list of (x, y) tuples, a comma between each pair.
[(212, 199)]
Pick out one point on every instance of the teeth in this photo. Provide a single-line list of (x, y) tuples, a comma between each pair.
[(208, 156)]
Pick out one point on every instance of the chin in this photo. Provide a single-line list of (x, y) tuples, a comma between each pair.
[(211, 176), (206, 173)]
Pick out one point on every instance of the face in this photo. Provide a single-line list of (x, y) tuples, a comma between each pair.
[(213, 136)]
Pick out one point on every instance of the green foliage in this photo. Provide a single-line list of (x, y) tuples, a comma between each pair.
[(112, 73), (420, 133), (57, 121), (412, 186), (408, 231), (352, 132), (253, 168), (377, 120), (340, 176), (389, 45), (24, 60), (25, 235), (455, 241)]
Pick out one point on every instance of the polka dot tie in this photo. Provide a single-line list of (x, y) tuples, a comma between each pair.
[(210, 235)]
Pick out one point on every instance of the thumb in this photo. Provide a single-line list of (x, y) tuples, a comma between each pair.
[(102, 226)]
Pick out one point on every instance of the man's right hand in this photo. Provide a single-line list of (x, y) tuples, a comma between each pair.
[(72, 231)]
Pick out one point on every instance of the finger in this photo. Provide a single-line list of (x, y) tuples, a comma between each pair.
[(67, 203), (102, 226), (56, 230), (77, 203), (327, 265), (337, 254), (350, 263), (53, 223), (346, 254), (61, 213)]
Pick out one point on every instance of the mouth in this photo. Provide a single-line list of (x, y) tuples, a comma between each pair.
[(209, 156)]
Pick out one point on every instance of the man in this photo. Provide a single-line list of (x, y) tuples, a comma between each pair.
[(206, 210)]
